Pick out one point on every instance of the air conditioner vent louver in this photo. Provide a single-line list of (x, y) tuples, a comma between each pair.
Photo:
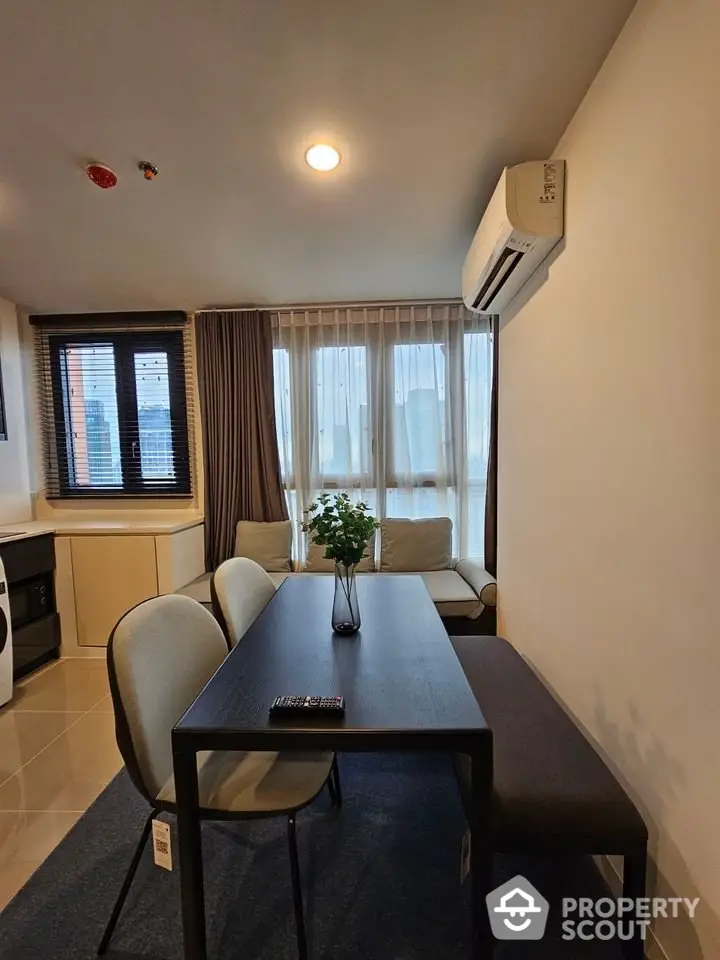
[(500, 273)]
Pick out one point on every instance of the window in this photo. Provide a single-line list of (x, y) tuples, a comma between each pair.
[(342, 416), (391, 405), (420, 429), (115, 412), (420, 465), (477, 377)]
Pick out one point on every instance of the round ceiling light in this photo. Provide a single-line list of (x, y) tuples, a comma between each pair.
[(323, 157)]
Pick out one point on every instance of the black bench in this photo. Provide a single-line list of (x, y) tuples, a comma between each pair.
[(553, 793)]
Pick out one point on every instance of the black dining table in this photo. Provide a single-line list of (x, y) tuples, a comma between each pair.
[(404, 690)]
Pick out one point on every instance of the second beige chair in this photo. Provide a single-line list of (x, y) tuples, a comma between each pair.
[(239, 589), (160, 655)]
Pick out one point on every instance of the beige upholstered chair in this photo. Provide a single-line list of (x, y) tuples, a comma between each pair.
[(239, 590), (160, 655)]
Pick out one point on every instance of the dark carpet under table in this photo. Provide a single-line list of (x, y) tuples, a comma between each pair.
[(381, 880)]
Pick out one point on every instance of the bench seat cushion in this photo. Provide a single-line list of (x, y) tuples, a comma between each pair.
[(550, 784), (452, 595)]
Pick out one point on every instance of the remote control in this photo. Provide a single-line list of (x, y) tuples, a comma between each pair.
[(298, 707)]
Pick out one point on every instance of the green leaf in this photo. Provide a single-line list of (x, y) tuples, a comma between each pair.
[(342, 527)]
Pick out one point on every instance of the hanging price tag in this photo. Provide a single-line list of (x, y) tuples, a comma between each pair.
[(162, 850)]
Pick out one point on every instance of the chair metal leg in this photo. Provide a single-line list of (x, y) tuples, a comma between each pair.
[(335, 776), (634, 871), (296, 889), (127, 883)]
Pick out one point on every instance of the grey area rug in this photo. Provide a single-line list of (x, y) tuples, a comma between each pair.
[(381, 880)]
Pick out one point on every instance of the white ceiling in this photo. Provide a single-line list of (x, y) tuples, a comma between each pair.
[(427, 100)]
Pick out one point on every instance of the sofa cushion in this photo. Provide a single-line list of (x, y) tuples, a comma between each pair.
[(452, 595), (268, 544), (413, 546), (317, 563), (198, 590)]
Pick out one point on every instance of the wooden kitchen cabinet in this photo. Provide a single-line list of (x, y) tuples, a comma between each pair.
[(110, 574), (104, 566)]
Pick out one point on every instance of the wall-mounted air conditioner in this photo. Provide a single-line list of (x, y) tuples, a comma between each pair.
[(521, 225)]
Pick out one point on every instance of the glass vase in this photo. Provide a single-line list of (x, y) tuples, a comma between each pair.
[(346, 612)]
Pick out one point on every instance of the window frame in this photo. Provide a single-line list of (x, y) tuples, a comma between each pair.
[(126, 345)]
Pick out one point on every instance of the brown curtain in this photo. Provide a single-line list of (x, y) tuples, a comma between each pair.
[(491, 493), (242, 466)]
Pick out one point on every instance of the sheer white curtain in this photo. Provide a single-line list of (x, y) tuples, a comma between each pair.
[(391, 404)]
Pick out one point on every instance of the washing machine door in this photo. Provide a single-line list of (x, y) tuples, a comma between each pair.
[(4, 630)]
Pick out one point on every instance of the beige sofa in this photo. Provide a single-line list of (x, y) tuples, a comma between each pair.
[(424, 547)]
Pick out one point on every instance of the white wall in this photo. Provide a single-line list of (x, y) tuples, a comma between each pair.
[(15, 503), (609, 513)]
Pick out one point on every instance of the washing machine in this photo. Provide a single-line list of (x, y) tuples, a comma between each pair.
[(6, 650)]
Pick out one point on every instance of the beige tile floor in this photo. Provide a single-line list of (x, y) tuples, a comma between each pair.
[(57, 753)]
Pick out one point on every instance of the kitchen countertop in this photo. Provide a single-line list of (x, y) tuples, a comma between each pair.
[(98, 526)]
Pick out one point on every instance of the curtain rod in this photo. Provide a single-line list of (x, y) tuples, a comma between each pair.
[(301, 307)]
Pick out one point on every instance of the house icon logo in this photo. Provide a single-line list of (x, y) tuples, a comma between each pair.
[(517, 911)]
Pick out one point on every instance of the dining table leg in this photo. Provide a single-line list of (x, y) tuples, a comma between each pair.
[(481, 854), (190, 852)]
